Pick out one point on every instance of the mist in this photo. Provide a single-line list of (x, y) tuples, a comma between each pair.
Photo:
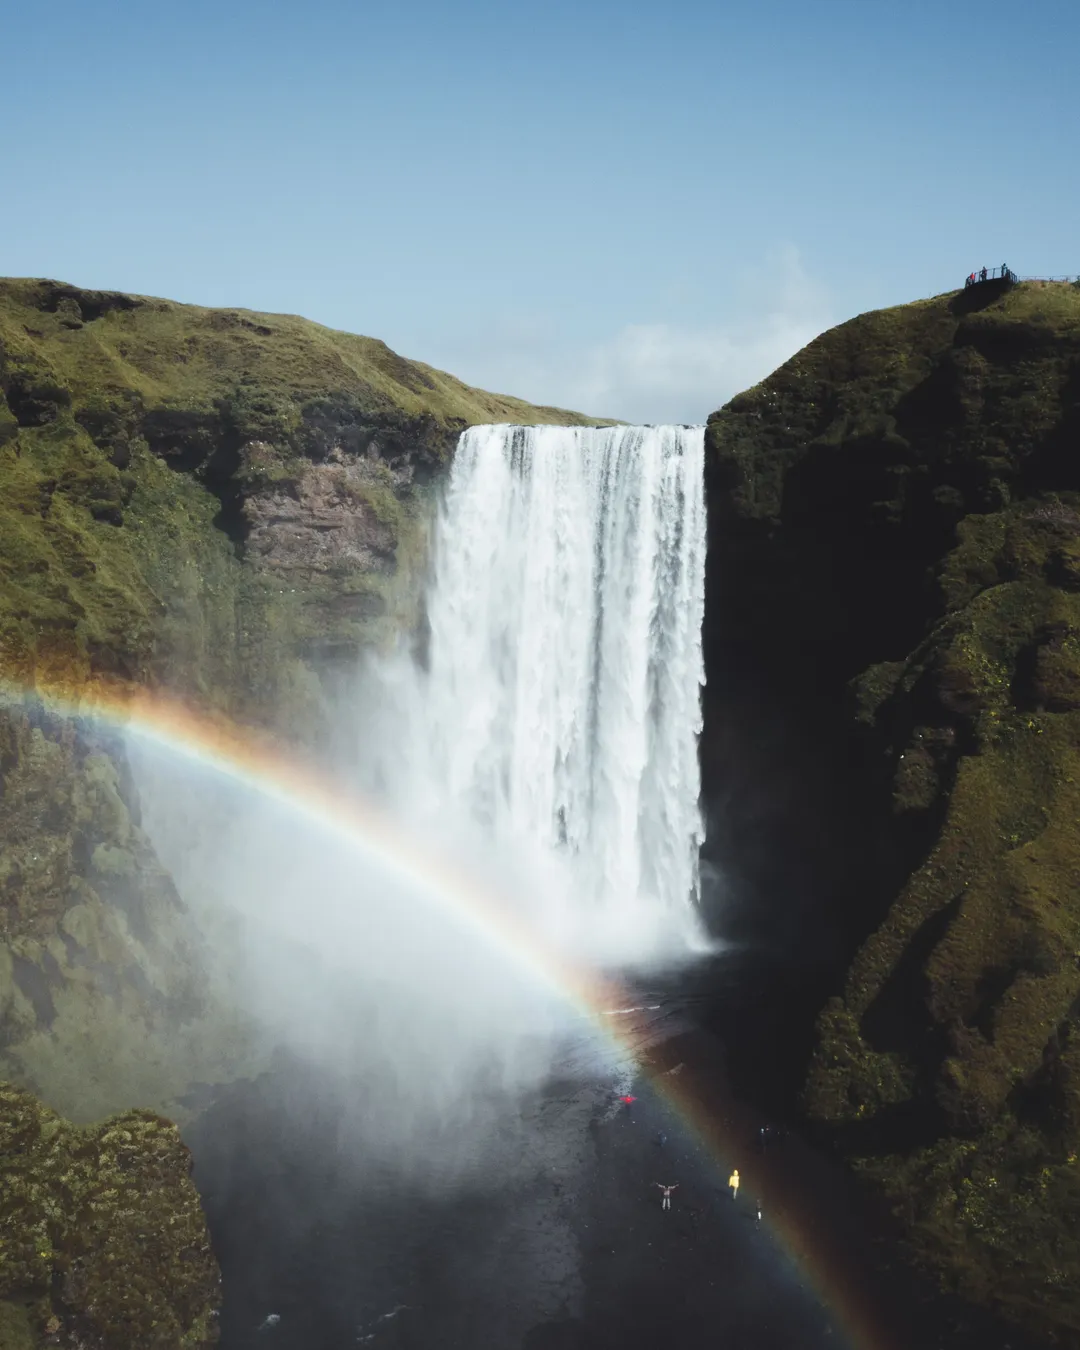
[(546, 748)]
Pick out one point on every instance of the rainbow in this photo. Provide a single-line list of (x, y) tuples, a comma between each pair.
[(256, 762)]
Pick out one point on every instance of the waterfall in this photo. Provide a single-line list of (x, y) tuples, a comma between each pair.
[(557, 718)]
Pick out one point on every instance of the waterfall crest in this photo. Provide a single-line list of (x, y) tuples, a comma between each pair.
[(559, 710)]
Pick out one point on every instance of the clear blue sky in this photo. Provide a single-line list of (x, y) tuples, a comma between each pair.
[(633, 208)]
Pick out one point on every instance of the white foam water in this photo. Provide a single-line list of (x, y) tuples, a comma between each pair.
[(556, 719)]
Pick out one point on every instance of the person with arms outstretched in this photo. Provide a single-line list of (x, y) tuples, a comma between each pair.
[(665, 1203)]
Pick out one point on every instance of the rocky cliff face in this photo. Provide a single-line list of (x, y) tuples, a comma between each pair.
[(102, 1001), (211, 498), (231, 505), (102, 1239), (894, 587)]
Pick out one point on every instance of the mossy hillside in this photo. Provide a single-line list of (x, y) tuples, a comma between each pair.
[(950, 1064), (102, 1238), (120, 359), (977, 1214), (902, 503), (109, 560), (158, 595), (228, 504), (80, 595), (860, 456), (100, 1002), (103, 996)]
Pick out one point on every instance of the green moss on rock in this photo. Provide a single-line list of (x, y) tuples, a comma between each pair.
[(852, 1081), (986, 1216), (901, 500), (103, 996), (231, 505), (149, 443), (102, 1239)]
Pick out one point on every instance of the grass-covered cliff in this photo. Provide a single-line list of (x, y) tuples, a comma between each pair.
[(221, 499), (232, 505), (894, 580)]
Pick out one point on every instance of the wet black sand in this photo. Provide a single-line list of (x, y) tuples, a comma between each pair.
[(569, 1248)]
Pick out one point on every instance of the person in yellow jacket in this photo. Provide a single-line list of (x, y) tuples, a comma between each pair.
[(733, 1182)]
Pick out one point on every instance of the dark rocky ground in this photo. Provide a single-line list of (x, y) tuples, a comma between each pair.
[(564, 1246)]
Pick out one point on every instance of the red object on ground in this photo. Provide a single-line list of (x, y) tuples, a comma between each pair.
[(628, 1100)]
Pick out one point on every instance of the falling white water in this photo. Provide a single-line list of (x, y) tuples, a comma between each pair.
[(556, 722)]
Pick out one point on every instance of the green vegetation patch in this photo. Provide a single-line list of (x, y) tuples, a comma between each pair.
[(142, 440), (133, 354), (994, 1218), (898, 545), (102, 1239)]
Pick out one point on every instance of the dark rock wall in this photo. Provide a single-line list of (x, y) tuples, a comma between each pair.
[(893, 632)]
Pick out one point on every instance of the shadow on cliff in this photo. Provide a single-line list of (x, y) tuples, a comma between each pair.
[(796, 796), (981, 296)]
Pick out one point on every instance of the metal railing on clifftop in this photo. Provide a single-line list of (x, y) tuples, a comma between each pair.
[(1004, 273), (1001, 273)]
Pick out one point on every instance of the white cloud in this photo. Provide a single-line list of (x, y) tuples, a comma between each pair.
[(663, 373), (660, 371)]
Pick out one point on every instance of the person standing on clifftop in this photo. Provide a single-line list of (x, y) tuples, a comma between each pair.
[(982, 275)]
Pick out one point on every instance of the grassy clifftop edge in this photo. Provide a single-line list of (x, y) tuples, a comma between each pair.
[(158, 462)]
